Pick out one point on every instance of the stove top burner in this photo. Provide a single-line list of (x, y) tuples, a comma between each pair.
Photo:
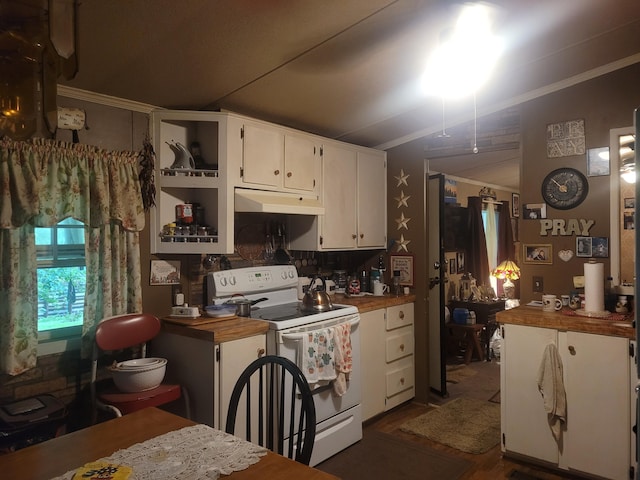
[(287, 311)]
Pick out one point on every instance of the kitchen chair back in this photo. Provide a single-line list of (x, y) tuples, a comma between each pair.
[(275, 393), (118, 333)]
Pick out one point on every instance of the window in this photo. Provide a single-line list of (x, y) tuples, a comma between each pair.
[(61, 279), (490, 223)]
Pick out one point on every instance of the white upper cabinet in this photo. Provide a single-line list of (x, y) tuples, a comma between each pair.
[(346, 182), (276, 159), (372, 200), (354, 186), (301, 163), (206, 188), (338, 224), (263, 155)]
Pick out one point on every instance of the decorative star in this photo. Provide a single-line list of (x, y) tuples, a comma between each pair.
[(402, 244), (402, 178), (402, 199), (402, 222)]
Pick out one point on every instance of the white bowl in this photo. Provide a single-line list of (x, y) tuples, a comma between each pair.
[(140, 363), (222, 310), (146, 377)]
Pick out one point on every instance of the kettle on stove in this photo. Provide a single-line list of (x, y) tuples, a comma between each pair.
[(184, 159), (317, 299)]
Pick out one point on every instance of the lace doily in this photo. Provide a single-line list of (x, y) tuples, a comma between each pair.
[(198, 452)]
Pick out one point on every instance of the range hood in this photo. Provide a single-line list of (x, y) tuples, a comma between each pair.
[(262, 201)]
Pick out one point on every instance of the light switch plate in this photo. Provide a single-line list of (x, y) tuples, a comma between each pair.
[(538, 285)]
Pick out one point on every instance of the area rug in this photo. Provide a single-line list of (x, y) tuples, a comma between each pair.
[(467, 424), (496, 397), (457, 373), (381, 455)]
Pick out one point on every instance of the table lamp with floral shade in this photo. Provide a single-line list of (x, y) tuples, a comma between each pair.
[(509, 271)]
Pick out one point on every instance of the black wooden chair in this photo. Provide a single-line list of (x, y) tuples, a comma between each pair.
[(279, 412)]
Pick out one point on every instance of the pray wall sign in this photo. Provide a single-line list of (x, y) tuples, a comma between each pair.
[(559, 226)]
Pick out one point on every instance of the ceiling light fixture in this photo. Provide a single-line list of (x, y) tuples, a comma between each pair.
[(467, 53), (628, 159)]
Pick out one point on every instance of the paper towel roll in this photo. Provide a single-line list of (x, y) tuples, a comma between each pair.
[(594, 287)]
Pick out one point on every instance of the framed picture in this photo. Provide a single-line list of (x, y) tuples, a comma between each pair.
[(597, 247), (629, 220), (403, 264), (164, 272), (452, 266), (537, 253), (477, 295), (534, 211), (630, 202), (583, 247), (598, 161), (515, 205), (600, 247), (460, 261)]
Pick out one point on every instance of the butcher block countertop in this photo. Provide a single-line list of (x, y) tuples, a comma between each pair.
[(567, 321), (217, 330), (368, 303)]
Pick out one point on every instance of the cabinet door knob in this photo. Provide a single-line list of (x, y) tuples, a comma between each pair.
[(261, 352), (401, 314), (354, 236), (402, 347), (572, 350), (276, 172), (402, 381), (362, 235), (289, 174)]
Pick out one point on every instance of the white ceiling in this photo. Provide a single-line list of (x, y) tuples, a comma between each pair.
[(345, 69)]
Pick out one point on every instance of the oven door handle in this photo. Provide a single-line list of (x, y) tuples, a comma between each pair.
[(298, 336)]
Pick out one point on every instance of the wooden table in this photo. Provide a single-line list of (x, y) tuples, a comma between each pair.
[(485, 314), (469, 334), (60, 455)]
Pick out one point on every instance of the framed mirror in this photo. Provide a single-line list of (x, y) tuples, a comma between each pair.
[(622, 205)]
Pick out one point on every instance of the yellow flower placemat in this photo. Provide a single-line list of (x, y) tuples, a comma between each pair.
[(102, 471)]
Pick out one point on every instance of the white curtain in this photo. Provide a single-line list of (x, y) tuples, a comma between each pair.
[(491, 235)]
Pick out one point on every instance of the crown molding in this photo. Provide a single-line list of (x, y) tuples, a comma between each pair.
[(107, 100)]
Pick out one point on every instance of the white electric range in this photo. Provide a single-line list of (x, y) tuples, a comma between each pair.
[(339, 418)]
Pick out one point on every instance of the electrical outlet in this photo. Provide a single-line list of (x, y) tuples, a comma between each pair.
[(537, 284)]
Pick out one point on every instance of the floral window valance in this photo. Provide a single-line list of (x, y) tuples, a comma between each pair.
[(45, 181)]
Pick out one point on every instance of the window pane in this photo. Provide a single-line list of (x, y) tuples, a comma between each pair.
[(61, 275), (44, 236), (60, 297)]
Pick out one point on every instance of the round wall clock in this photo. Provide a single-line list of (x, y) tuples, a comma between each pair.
[(565, 188)]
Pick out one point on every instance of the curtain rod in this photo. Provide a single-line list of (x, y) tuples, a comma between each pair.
[(495, 202)]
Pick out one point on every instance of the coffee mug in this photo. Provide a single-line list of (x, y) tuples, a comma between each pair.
[(551, 303), (565, 300), (380, 289)]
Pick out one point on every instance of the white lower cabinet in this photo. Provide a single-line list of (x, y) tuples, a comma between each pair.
[(597, 380), (372, 362), (387, 359), (208, 370)]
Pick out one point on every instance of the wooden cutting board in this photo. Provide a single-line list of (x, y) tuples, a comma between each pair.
[(196, 320)]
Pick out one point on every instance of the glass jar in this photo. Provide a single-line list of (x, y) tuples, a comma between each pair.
[(340, 279)]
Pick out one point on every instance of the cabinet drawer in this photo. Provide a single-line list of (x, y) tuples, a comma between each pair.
[(399, 344), (399, 316), (400, 379)]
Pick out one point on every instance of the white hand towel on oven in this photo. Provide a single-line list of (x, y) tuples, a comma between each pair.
[(318, 356), (343, 358), (551, 386)]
